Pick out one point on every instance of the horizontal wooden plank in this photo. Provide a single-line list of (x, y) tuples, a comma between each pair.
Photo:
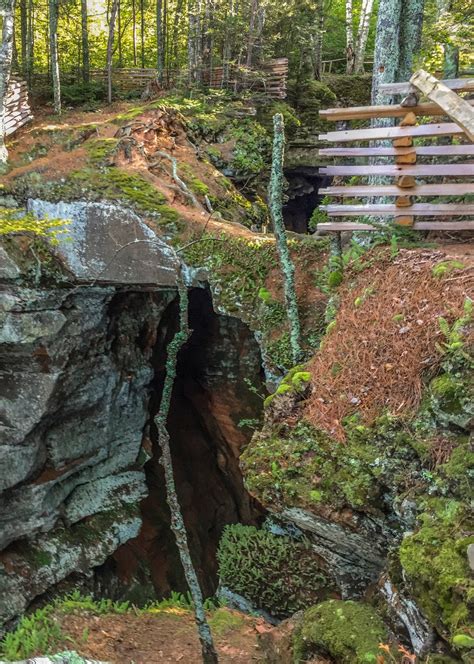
[(366, 190), (422, 151), (390, 210), (378, 133), (394, 170), (339, 226), (382, 111), (460, 84)]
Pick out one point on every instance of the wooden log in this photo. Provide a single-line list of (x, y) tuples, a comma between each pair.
[(385, 111), (425, 190), (338, 226), (403, 201), (408, 158), (377, 133), (390, 210), (406, 181), (394, 170), (408, 120), (460, 84), (403, 142), (422, 151), (404, 220), (451, 103)]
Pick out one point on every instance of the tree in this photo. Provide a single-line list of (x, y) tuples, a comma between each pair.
[(53, 41), (110, 47), (363, 34), (160, 38), (350, 53), (209, 655), (7, 12), (85, 42), (275, 199)]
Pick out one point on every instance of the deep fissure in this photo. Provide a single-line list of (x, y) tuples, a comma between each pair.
[(215, 404)]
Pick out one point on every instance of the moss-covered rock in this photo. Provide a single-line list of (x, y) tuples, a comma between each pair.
[(434, 561), (349, 632), (274, 572)]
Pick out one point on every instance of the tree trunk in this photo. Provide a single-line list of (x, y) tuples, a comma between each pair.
[(85, 42), (318, 40), (275, 200), (227, 46), (451, 61), (110, 48), (362, 35), (160, 46), (6, 55), (251, 34), (176, 21), (119, 34), (209, 655), (349, 38), (142, 31), (386, 54), (24, 35), (411, 22), (53, 40), (30, 44)]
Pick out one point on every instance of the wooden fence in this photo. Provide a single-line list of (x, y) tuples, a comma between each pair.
[(405, 169), (18, 111), (271, 77)]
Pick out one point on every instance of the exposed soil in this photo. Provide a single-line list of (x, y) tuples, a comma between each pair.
[(165, 636)]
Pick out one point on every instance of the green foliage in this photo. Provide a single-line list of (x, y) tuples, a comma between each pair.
[(350, 632), (295, 382), (274, 572), (36, 634), (252, 148), (223, 622), (87, 95), (444, 268), (453, 347), (17, 221)]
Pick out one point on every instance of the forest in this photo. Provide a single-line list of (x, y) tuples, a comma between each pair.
[(236, 331)]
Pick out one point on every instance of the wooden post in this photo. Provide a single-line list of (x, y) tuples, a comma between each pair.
[(404, 181)]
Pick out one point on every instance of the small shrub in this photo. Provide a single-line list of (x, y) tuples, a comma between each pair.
[(274, 572)]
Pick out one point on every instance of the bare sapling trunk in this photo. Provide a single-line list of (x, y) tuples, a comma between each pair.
[(7, 12), (275, 199), (362, 34), (209, 655), (53, 40), (160, 43), (110, 48)]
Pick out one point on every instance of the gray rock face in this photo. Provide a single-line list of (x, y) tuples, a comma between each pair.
[(109, 244), (74, 375), (355, 553)]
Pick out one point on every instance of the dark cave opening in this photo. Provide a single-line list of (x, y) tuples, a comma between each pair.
[(302, 196), (212, 411)]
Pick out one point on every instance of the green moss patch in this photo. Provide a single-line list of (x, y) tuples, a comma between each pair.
[(434, 559), (350, 632), (274, 572)]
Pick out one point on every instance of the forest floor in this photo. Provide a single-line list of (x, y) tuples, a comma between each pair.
[(165, 636)]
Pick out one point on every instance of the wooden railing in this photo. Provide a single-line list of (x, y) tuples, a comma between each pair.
[(18, 111), (404, 170), (338, 65)]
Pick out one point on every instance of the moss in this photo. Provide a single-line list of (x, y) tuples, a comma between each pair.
[(223, 621), (295, 382), (194, 183), (101, 149), (284, 466), (350, 632), (444, 268), (350, 90), (274, 572), (435, 563), (449, 399)]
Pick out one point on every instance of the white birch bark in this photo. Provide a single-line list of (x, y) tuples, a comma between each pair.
[(349, 38), (362, 34), (53, 41), (7, 10), (110, 48)]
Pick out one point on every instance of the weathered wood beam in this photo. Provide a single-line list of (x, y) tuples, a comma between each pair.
[(339, 226), (452, 104), (395, 170), (421, 151), (385, 111), (390, 210), (366, 190), (377, 133), (460, 84)]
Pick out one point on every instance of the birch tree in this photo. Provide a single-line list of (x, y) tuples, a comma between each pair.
[(362, 34), (7, 12), (110, 47), (53, 45), (349, 37)]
